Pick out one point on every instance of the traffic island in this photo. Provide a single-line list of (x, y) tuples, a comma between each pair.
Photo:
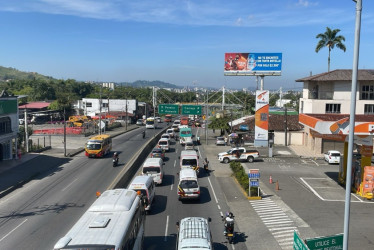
[(243, 180)]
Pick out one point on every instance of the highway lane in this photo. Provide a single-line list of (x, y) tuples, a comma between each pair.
[(167, 210), (38, 214)]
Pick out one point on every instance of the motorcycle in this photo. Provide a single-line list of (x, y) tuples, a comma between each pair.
[(229, 230), (206, 164), (115, 162), (143, 134)]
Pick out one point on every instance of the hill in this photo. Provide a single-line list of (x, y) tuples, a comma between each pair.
[(12, 73), (143, 83)]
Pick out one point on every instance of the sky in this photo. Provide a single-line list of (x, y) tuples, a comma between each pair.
[(182, 42)]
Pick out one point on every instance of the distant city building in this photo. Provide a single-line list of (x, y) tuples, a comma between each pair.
[(109, 85)]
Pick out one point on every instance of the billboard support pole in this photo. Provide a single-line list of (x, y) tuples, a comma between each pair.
[(262, 82)]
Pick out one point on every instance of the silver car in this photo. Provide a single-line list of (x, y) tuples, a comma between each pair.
[(220, 141)]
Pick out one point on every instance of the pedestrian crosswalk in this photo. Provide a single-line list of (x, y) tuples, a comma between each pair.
[(276, 220)]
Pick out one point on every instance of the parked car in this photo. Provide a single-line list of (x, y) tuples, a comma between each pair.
[(157, 153), (220, 140), (332, 156), (238, 154)]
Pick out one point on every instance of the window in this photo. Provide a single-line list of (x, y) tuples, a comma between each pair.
[(367, 92), (369, 109), (5, 125), (105, 105), (332, 108), (88, 104)]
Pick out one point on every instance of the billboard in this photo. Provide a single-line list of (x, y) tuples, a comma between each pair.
[(241, 64), (262, 116)]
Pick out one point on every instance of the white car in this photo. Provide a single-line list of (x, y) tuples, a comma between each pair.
[(166, 136), (332, 156)]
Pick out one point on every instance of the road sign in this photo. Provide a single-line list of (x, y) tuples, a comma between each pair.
[(171, 109), (298, 243), (191, 110), (327, 242)]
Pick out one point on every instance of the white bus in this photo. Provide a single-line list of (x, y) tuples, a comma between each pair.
[(116, 220), (150, 123)]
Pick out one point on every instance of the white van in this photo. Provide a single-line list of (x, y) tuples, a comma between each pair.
[(188, 186), (154, 167), (164, 144), (146, 186), (188, 159), (193, 233)]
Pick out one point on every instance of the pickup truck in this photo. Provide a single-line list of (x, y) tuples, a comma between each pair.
[(238, 154)]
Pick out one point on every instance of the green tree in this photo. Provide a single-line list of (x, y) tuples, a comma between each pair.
[(330, 39)]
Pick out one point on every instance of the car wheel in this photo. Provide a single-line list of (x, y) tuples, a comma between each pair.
[(226, 160), (250, 159)]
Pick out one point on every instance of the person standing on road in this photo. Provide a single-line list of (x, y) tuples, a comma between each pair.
[(225, 140)]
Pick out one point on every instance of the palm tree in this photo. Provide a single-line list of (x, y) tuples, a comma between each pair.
[(330, 39)]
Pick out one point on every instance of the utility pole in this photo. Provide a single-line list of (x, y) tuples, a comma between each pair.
[(285, 126), (26, 131), (100, 103), (64, 132)]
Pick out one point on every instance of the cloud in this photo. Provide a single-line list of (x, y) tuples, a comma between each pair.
[(187, 12)]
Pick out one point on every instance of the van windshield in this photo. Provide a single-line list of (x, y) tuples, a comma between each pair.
[(163, 142), (188, 184), (189, 162), (151, 170)]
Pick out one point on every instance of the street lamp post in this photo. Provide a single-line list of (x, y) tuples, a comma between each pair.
[(352, 123)]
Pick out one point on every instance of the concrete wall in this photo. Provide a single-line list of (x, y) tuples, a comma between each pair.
[(293, 138)]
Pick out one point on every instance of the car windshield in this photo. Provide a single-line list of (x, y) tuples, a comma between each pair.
[(188, 184), (335, 154), (163, 143), (157, 150), (151, 170), (189, 162)]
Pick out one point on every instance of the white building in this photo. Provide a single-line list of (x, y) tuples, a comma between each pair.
[(330, 92), (91, 106)]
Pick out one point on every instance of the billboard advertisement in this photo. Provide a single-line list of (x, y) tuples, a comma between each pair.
[(262, 116), (253, 63)]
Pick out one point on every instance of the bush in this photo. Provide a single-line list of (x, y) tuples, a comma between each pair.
[(240, 175)]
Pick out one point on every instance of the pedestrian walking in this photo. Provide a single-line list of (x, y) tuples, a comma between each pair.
[(225, 140)]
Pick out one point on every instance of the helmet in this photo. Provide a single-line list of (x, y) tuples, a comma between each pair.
[(115, 153), (231, 215), (227, 214), (139, 192)]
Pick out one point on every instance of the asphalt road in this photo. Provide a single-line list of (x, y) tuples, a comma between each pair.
[(167, 210), (38, 214)]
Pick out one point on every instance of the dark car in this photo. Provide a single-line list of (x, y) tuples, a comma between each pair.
[(158, 153)]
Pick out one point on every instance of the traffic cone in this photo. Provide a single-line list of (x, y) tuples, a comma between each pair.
[(277, 186), (270, 180)]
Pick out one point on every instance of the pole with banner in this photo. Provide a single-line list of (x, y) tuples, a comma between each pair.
[(262, 118)]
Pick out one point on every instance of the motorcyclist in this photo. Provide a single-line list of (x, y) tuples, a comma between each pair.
[(115, 157), (229, 221), (206, 164), (143, 134)]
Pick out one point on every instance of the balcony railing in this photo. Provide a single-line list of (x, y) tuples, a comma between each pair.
[(321, 95)]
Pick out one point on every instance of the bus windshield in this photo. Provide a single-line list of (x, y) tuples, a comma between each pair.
[(93, 146)]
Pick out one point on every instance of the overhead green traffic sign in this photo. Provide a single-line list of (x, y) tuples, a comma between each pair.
[(191, 110), (171, 109)]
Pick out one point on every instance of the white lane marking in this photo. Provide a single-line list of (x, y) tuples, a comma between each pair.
[(314, 191), (282, 228), (71, 183), (215, 197), (175, 163), (166, 229), (219, 207), (13, 230)]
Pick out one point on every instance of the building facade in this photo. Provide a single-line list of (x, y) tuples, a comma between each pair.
[(8, 126)]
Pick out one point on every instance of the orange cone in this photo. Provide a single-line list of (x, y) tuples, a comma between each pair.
[(270, 180)]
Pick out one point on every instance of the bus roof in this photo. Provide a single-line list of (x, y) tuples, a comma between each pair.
[(105, 222), (99, 137)]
